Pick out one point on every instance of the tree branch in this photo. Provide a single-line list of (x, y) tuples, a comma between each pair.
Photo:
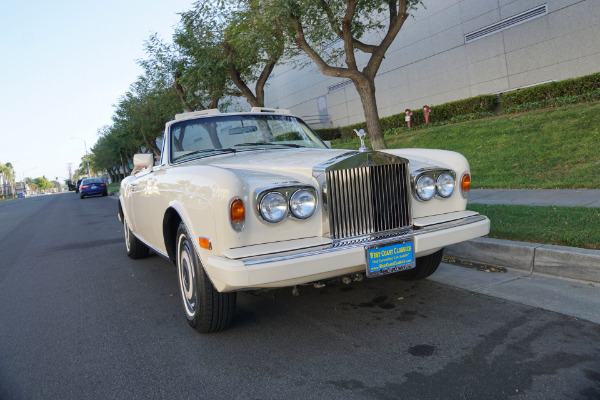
[(396, 22), (330, 17), (326, 69), (180, 92)]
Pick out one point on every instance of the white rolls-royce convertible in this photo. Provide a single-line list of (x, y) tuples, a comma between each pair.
[(256, 201)]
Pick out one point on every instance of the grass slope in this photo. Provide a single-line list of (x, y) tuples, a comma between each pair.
[(566, 226), (547, 149)]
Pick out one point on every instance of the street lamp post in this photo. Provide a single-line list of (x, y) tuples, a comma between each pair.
[(87, 160)]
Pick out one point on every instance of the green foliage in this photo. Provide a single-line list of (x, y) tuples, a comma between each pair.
[(199, 38), (452, 112), (43, 184), (329, 133), (472, 105), (566, 226), (552, 90), (228, 46), (556, 102)]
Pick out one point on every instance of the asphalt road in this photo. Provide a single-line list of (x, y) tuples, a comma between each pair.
[(80, 320)]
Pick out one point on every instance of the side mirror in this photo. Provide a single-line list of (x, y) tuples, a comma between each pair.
[(327, 143), (144, 160)]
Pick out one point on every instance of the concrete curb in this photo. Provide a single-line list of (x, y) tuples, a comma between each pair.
[(559, 261)]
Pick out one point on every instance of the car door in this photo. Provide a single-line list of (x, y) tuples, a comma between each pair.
[(142, 210)]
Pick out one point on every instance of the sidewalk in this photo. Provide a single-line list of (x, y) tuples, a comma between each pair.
[(532, 258), (534, 197)]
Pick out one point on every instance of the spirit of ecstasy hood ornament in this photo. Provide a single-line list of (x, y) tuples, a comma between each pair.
[(361, 134)]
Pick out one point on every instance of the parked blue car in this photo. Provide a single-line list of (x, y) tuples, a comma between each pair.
[(92, 186)]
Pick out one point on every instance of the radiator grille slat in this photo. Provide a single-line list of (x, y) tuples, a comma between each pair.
[(368, 200)]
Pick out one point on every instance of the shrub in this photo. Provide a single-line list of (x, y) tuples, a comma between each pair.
[(329, 133), (552, 90), (557, 102), (472, 105), (441, 113)]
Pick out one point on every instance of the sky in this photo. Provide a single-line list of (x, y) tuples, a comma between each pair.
[(64, 64)]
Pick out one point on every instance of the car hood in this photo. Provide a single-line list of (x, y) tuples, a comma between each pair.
[(303, 161), (293, 162)]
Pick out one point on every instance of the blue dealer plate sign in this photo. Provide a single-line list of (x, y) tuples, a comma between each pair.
[(389, 258)]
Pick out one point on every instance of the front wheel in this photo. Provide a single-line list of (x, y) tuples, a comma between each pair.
[(426, 266), (206, 309)]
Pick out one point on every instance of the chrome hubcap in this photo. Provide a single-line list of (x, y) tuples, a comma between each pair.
[(126, 229), (187, 276)]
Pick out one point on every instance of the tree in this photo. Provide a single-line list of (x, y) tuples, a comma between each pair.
[(317, 22), (231, 45), (166, 65), (43, 184), (143, 111), (7, 173)]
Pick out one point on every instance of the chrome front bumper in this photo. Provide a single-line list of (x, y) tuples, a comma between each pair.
[(329, 260)]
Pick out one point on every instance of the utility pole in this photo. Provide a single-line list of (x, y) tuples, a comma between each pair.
[(87, 159)]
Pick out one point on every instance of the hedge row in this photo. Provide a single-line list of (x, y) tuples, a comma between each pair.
[(443, 112), (557, 102), (554, 94), (552, 90)]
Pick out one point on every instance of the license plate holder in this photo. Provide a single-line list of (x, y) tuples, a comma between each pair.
[(390, 257)]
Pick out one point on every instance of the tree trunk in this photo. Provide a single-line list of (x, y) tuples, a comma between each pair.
[(366, 91), (125, 169), (111, 174)]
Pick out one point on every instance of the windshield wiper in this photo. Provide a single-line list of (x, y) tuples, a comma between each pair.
[(268, 144), (226, 150)]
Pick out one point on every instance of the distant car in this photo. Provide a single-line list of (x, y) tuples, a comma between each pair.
[(20, 196), (77, 185), (71, 186), (92, 186)]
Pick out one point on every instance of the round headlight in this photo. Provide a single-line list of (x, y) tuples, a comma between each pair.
[(273, 207), (425, 187), (303, 203), (445, 185)]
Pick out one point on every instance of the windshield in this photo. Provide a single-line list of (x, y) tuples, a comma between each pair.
[(231, 133)]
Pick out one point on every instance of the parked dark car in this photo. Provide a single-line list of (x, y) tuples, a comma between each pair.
[(92, 186), (77, 185)]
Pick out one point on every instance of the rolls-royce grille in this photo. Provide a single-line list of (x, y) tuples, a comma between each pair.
[(367, 200)]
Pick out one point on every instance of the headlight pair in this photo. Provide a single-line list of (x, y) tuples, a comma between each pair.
[(430, 183), (275, 205)]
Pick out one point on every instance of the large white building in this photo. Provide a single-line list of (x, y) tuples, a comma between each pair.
[(451, 50)]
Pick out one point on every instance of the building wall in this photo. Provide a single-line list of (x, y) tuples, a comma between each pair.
[(430, 63)]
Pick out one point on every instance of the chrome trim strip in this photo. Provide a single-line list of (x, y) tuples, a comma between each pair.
[(160, 253), (375, 242), (320, 168)]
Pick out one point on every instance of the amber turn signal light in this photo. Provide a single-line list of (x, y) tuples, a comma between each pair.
[(237, 211), (205, 243), (465, 183)]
